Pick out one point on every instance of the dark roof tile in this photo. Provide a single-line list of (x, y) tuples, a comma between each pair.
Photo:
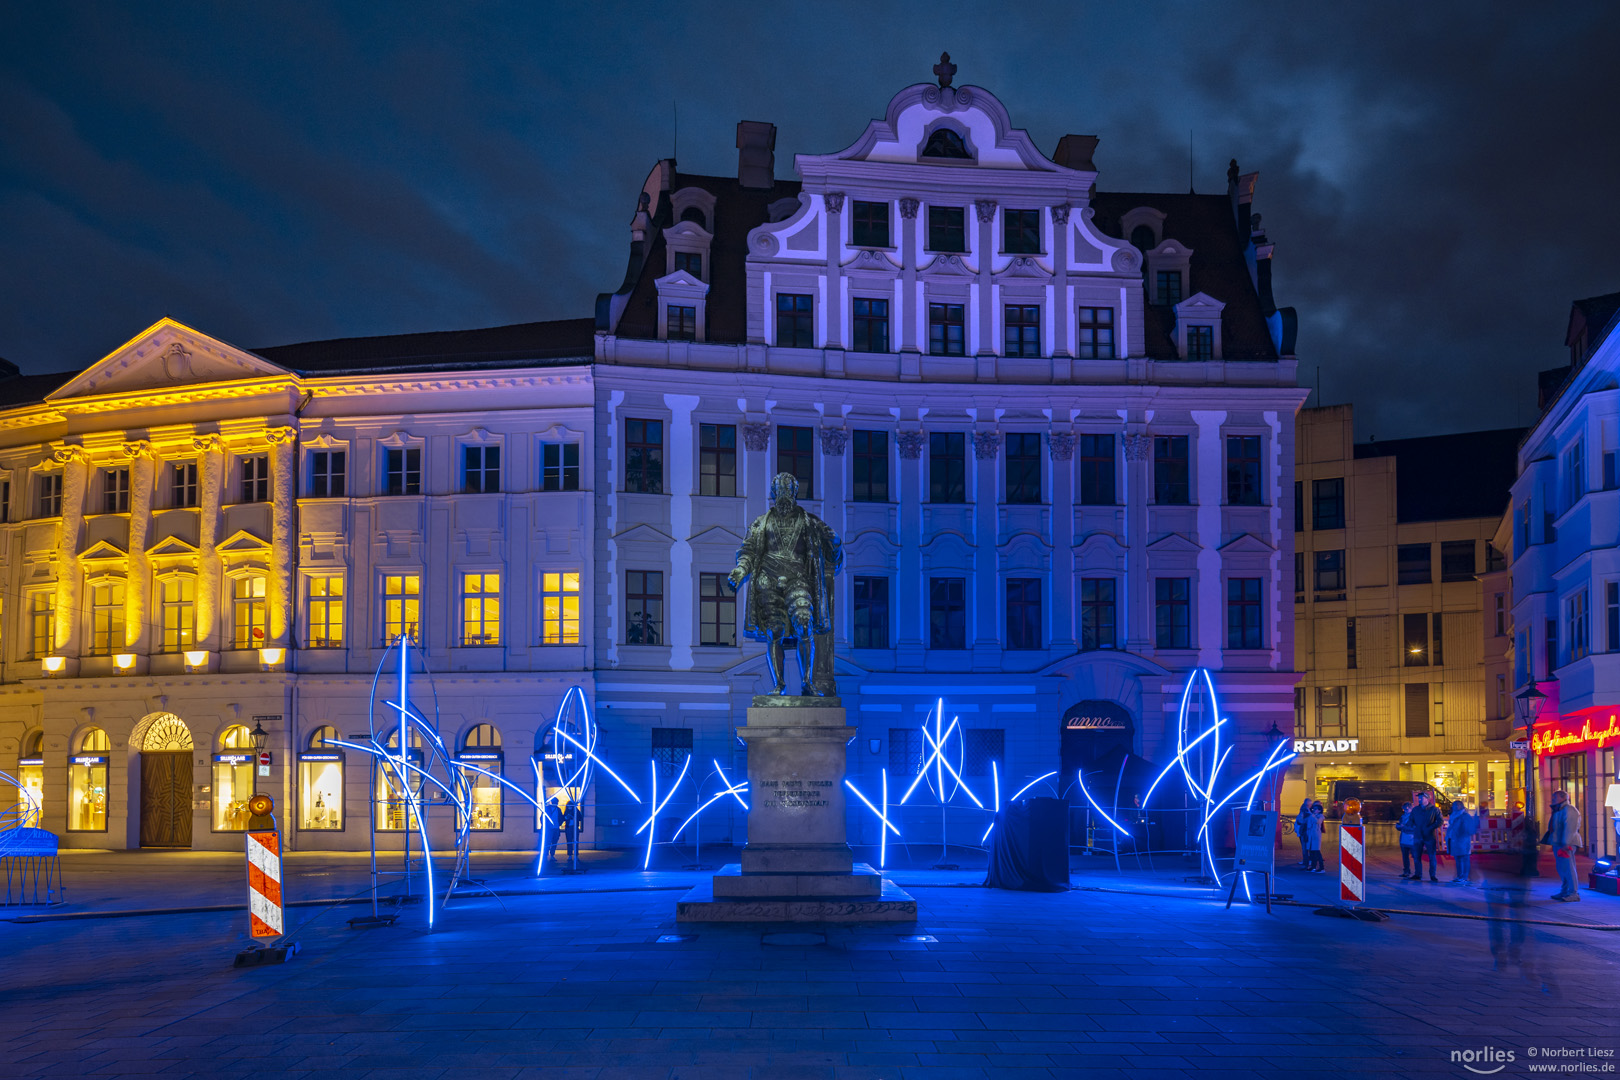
[(1445, 477), (535, 344)]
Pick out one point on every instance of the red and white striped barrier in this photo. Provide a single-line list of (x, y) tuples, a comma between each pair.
[(264, 884), (1495, 831), (1352, 863)]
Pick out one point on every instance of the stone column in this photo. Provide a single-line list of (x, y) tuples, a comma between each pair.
[(907, 340), (210, 493), (834, 201), (1138, 587), (69, 581), (283, 504), (1060, 443), (910, 600), (1062, 310), (138, 588), (987, 612), (984, 250)]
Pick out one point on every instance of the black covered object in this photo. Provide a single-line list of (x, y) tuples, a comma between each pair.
[(1029, 847)]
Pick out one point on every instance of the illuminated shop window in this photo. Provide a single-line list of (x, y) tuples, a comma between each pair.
[(482, 750), (87, 783), (248, 611), (402, 606), (480, 609), (324, 612), (559, 608), (31, 778), (389, 800), (233, 779), (320, 782), (177, 603)]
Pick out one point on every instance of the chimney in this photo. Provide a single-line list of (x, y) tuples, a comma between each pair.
[(1074, 152), (756, 154)]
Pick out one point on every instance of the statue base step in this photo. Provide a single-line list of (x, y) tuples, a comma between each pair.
[(860, 883), (707, 902)]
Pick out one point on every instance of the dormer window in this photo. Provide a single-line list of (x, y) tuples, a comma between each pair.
[(947, 229), (1200, 342), (1167, 287), (696, 217), (1198, 327), (945, 143), (690, 262), (1142, 238), (869, 224)]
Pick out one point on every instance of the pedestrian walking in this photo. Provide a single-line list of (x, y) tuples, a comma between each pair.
[(1426, 825), (571, 825), (1313, 839), (554, 824), (1404, 827), (1563, 835), (1299, 831), (1460, 829)]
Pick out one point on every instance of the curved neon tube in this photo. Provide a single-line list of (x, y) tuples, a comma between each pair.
[(652, 818), (1081, 778), (1251, 782), (883, 834), (713, 798), (939, 753), (1031, 784), (592, 756), (731, 788), (1174, 762), (880, 815)]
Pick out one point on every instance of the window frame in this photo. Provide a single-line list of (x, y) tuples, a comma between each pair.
[(326, 466), (253, 471), (1099, 482), (1099, 613), (409, 603), (865, 457), (1245, 614), (1327, 503), (256, 606), (476, 461), (717, 460), (333, 609), (945, 230), (796, 456), (1172, 613), (798, 318), (717, 611), (555, 620), (1245, 474), (1021, 469), (1172, 474), (183, 608), (869, 605), (863, 224), (560, 475), (947, 613), (1028, 225), (1021, 336), (1024, 613), (406, 479), (947, 468), (644, 457), (869, 328), (115, 490), (480, 608), (185, 492), (1100, 345), (650, 620), (940, 317)]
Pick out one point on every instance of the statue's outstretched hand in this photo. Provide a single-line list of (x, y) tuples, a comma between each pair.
[(736, 579)]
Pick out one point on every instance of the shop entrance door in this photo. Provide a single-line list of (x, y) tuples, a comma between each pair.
[(166, 798)]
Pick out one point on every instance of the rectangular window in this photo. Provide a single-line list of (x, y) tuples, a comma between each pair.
[(401, 607), (1413, 564), (1095, 333), (248, 611), (947, 613), (795, 455), (690, 262), (177, 609), (1417, 710), (1502, 708), (1438, 646), (717, 611), (870, 466), (48, 495), (871, 624), (905, 751), (1494, 560), (1299, 506), (1578, 621), (1550, 645), (559, 607), (106, 617), (1415, 640), (644, 456), (1200, 342), (1327, 503), (327, 472), (1097, 470), (256, 478), (1299, 577), (1097, 613), (1021, 330), (1574, 473), (42, 623), (559, 466), (115, 491), (643, 607), (717, 459), (980, 747), (402, 470), (1457, 560), (1243, 625), (480, 609), (1350, 644), (680, 322), (183, 484), (1172, 477), (1168, 286), (1021, 232), (1172, 613), (1023, 467), (670, 749), (1611, 597), (795, 325), (1331, 719), (323, 616), (947, 229), (947, 467), (869, 224), (1243, 470), (1329, 575), (946, 330), (480, 469), (1501, 616), (1023, 613), (871, 325), (5, 501)]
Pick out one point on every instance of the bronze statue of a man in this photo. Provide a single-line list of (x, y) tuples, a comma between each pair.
[(788, 560)]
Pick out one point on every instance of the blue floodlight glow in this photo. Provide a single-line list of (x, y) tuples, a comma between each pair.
[(1080, 776)]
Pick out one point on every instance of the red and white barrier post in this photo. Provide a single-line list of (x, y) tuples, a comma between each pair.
[(266, 912), (1353, 863)]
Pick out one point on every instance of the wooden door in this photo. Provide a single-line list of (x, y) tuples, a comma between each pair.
[(166, 799)]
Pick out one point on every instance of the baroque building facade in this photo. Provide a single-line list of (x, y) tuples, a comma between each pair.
[(1054, 427)]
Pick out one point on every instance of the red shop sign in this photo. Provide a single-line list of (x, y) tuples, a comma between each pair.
[(1585, 730)]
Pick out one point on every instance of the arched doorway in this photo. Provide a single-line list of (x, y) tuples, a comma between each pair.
[(164, 743)]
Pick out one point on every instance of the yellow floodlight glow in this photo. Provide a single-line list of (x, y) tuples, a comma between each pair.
[(271, 657), (124, 661), (54, 664)]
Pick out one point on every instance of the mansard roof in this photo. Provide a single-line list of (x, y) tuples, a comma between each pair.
[(533, 344)]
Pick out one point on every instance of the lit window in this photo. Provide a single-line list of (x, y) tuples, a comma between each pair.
[(320, 782), (87, 783), (480, 609), (177, 599), (482, 749), (106, 617), (256, 478), (324, 613), (233, 779), (402, 607), (248, 609), (559, 608)]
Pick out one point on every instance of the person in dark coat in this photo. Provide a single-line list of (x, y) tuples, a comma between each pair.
[(1426, 825), (1313, 839), (1460, 829), (1563, 835), (554, 825), (1299, 831), (1408, 864)]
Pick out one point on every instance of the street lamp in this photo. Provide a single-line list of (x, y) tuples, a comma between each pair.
[(1527, 704), (259, 736)]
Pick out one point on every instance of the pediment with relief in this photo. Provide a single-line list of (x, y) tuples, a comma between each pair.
[(243, 542), (167, 354)]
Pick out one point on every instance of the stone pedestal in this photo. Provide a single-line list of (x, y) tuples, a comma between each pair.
[(797, 865)]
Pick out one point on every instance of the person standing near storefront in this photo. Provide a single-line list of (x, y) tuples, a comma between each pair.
[(1313, 839), (1299, 831), (1460, 830), (554, 822), (1426, 824), (1408, 864), (1564, 836)]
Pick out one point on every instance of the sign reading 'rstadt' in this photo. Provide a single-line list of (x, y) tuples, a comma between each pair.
[(1326, 746)]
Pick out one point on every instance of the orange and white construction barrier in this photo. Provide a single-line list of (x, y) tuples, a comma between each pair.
[(1352, 863), (264, 873)]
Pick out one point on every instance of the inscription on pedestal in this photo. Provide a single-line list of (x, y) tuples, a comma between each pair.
[(794, 794)]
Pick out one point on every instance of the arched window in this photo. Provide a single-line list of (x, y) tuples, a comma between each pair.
[(87, 783), (233, 779), (321, 736), (1142, 237), (34, 745), (695, 216), (31, 778), (392, 805), (482, 749), (166, 732), (320, 781), (945, 143), (236, 737), (483, 735)]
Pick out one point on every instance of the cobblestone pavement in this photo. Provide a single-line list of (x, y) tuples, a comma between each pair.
[(578, 985)]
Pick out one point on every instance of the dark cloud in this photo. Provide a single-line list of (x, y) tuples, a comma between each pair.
[(1437, 179)]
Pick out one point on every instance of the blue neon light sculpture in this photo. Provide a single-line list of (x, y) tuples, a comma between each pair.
[(572, 730)]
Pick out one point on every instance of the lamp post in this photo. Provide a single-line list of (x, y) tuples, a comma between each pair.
[(259, 736), (1527, 704)]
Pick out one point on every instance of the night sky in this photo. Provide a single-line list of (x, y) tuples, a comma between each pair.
[(1440, 180)]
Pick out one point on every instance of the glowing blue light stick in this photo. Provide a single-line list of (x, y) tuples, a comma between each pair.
[(1081, 775), (1031, 784), (1250, 782), (540, 786), (1255, 790), (731, 789), (649, 824), (883, 835), (1181, 735), (713, 798), (880, 815), (939, 754), (995, 779), (592, 756), (1180, 754)]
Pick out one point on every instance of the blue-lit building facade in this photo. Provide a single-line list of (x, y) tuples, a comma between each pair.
[(1053, 425)]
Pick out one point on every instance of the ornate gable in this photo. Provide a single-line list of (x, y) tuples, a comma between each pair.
[(167, 354)]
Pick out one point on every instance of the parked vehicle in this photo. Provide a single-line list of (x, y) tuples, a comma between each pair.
[(1381, 799)]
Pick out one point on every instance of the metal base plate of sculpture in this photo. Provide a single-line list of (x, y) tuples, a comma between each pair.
[(797, 865)]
